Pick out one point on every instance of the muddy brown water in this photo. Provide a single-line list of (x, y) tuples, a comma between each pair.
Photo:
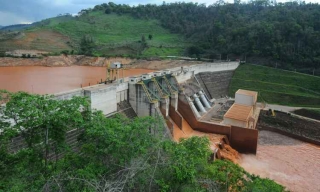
[(290, 162), (214, 139), (49, 80)]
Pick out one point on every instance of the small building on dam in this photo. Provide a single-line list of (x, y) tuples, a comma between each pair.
[(196, 95)]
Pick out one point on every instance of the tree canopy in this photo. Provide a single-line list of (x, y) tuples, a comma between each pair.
[(286, 33)]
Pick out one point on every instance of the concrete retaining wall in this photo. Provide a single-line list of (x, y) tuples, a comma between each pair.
[(244, 140), (71, 139), (102, 98), (189, 71)]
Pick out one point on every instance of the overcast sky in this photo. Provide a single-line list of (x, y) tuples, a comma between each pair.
[(28, 11)]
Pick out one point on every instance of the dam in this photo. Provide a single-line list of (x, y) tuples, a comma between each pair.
[(190, 96), (190, 101)]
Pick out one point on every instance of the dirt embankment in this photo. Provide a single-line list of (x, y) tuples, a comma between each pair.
[(290, 125), (60, 61), (80, 60)]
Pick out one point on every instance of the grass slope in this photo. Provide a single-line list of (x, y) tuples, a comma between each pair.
[(114, 34), (277, 86)]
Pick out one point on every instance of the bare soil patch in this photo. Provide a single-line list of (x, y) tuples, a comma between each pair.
[(38, 40)]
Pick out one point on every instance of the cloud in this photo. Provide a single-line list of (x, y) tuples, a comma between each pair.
[(7, 18), (26, 11)]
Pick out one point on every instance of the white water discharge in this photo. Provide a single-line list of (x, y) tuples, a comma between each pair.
[(290, 162)]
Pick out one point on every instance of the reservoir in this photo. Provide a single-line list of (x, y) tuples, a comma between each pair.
[(49, 80)]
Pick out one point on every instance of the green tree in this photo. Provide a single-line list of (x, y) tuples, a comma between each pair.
[(41, 119), (87, 45), (108, 10)]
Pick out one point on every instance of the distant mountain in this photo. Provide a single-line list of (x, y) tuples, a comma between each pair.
[(15, 27)]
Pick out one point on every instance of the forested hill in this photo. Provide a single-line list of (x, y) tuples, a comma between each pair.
[(286, 35)]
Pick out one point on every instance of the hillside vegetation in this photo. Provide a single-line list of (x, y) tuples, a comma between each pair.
[(112, 35), (277, 86), (260, 31)]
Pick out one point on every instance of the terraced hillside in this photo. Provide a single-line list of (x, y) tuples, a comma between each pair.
[(113, 35), (277, 86)]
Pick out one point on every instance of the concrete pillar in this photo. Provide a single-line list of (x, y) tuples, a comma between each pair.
[(194, 109), (153, 109), (198, 103), (174, 100), (204, 100), (118, 97), (164, 104), (139, 101)]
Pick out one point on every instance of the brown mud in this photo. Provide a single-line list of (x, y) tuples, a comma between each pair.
[(290, 162)]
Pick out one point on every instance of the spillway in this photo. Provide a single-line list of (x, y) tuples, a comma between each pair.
[(225, 151)]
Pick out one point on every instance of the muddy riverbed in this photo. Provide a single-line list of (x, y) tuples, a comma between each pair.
[(290, 162)]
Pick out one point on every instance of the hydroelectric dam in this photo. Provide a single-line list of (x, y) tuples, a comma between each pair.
[(183, 97)]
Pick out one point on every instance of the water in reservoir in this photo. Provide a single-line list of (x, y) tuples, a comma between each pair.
[(48, 80), (290, 162)]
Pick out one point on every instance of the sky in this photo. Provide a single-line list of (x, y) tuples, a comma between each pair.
[(28, 11)]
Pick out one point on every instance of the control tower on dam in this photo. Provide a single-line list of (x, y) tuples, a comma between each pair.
[(195, 94)]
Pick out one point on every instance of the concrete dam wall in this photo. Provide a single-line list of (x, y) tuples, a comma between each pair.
[(165, 93), (162, 94), (215, 84), (106, 97)]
